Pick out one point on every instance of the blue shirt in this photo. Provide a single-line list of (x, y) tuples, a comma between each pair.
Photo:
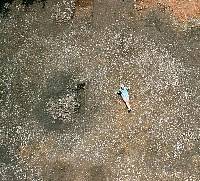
[(124, 92)]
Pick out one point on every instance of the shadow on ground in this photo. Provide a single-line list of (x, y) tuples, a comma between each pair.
[(5, 5), (62, 85)]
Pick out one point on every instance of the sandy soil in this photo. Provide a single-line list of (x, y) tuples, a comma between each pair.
[(183, 10)]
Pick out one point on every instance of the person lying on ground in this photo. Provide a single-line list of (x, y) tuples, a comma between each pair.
[(123, 92)]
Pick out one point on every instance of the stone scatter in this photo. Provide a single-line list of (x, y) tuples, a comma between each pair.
[(61, 64), (63, 108)]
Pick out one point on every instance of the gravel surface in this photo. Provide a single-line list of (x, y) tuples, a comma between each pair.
[(60, 119)]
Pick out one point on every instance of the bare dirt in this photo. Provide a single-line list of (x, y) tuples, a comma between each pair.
[(182, 10), (61, 65)]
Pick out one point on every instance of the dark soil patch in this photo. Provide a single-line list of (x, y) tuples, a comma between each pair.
[(4, 154), (59, 170), (30, 2), (3, 92), (98, 173), (4, 6), (59, 85)]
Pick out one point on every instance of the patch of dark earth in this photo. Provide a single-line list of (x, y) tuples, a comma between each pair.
[(62, 103)]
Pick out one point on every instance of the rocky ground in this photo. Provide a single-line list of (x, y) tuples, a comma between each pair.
[(62, 62)]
